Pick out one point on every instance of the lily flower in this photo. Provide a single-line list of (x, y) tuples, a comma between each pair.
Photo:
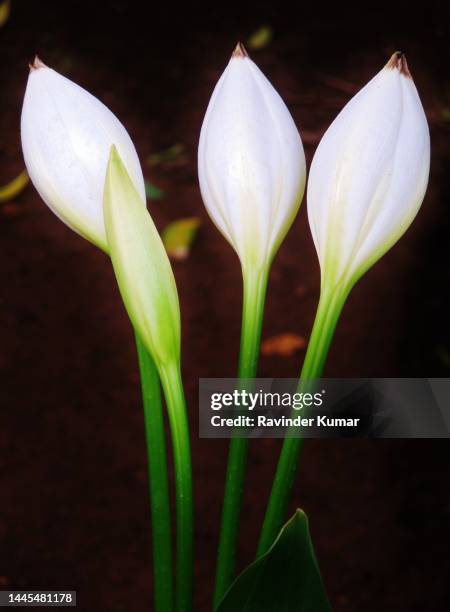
[(251, 162), (369, 175), (67, 135), (366, 184), (252, 174)]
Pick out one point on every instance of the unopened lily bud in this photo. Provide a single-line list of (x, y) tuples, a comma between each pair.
[(67, 135), (369, 175), (141, 265), (251, 162)]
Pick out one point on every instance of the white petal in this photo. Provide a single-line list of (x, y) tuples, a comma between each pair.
[(251, 161), (369, 174), (66, 138)]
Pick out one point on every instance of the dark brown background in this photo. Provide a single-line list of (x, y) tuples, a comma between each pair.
[(74, 509)]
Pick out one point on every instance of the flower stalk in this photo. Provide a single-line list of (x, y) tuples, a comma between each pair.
[(158, 481), (176, 407), (328, 312), (254, 293)]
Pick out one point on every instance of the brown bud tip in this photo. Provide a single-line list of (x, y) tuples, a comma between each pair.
[(398, 62), (36, 64), (239, 51)]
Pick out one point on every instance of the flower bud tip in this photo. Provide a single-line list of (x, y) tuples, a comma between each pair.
[(36, 64), (398, 62), (239, 51)]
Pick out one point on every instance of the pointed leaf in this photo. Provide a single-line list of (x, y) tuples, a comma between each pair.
[(285, 579), (141, 265), (179, 235)]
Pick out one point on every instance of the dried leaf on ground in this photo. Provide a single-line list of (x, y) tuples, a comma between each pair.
[(179, 235), (5, 11), (301, 291), (283, 345), (16, 186), (261, 38)]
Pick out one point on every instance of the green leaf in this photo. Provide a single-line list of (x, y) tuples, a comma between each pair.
[(179, 235), (260, 39), (153, 192), (141, 265), (16, 186), (285, 579), (176, 152)]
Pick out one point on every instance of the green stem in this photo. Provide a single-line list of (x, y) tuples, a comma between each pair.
[(254, 293), (158, 481), (176, 407), (328, 312)]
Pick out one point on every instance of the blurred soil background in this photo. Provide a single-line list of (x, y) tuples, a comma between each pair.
[(74, 511)]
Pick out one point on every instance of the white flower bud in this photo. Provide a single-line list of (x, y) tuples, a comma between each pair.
[(251, 162), (369, 175), (141, 264), (67, 135)]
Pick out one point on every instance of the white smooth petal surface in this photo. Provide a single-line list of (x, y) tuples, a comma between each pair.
[(410, 168), (251, 161), (66, 137), (369, 174)]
